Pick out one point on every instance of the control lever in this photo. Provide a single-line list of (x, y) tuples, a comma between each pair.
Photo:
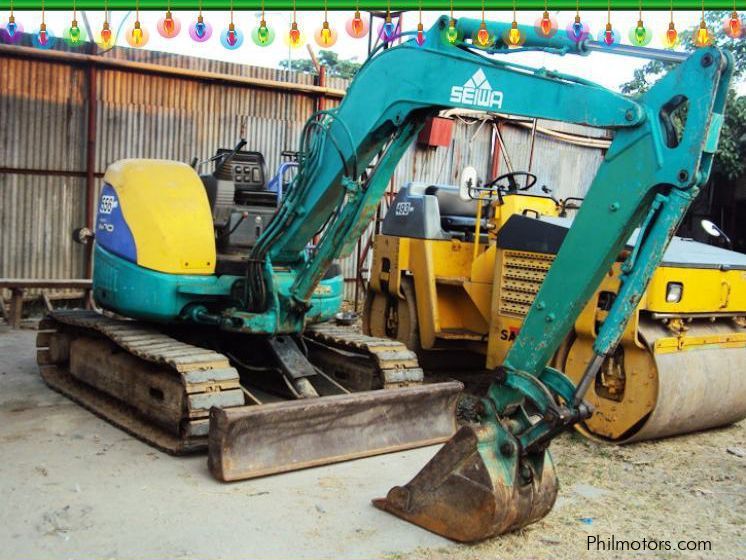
[(229, 157)]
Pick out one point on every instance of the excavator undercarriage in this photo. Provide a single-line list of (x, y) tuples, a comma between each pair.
[(161, 389)]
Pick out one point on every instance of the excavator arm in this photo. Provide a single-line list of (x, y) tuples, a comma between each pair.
[(497, 475), (335, 194)]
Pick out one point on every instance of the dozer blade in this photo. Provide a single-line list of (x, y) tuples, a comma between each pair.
[(467, 492), (252, 441)]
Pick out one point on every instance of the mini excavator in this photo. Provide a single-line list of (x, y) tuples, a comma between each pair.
[(494, 475)]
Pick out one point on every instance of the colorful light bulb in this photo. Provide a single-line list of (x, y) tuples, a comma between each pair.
[(200, 31), (452, 33), (74, 35), (702, 37), (609, 35), (263, 35), (640, 32), (169, 26), (43, 36), (11, 27), (733, 27), (11, 32), (420, 37), (168, 22), (546, 25), (231, 37), (295, 39), (356, 27), (325, 36), (515, 37), (577, 26), (137, 37), (639, 35), (578, 31), (106, 34), (389, 29), (671, 39), (483, 36)]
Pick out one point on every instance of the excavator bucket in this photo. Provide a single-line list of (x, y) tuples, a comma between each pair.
[(468, 493), (252, 441)]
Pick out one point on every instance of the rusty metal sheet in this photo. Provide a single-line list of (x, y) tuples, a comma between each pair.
[(253, 441)]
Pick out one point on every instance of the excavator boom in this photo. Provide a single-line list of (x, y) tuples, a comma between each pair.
[(497, 476)]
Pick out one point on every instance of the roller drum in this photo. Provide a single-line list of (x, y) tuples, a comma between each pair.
[(672, 384)]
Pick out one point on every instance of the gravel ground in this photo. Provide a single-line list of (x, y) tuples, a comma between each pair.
[(685, 488), (688, 488)]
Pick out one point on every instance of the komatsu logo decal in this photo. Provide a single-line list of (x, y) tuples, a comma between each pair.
[(477, 91)]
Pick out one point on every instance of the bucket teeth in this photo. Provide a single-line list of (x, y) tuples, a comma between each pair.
[(469, 493)]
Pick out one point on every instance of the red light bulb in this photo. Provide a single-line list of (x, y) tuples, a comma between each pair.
[(734, 25), (608, 35), (294, 35), (546, 24), (358, 27), (106, 33), (168, 23), (671, 36), (420, 34)]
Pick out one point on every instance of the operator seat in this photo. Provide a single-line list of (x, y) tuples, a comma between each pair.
[(456, 215)]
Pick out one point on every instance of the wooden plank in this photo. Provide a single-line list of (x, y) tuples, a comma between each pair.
[(47, 302), (30, 283)]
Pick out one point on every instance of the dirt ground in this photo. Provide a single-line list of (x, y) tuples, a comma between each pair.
[(73, 486)]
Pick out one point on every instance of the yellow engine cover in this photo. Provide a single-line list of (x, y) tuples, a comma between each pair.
[(165, 206)]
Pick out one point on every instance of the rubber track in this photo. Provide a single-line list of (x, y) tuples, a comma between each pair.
[(207, 377), (397, 365)]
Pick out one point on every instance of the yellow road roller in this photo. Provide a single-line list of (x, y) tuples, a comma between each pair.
[(453, 276)]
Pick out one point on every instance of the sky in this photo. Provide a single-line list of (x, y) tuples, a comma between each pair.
[(606, 69)]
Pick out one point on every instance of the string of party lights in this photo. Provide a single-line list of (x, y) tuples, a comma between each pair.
[(325, 36)]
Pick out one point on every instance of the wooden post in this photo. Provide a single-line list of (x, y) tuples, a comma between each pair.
[(16, 307)]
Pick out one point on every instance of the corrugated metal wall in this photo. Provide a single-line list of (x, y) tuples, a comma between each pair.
[(43, 111), (566, 168)]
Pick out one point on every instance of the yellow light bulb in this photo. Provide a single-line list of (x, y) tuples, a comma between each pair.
[(703, 35), (514, 35)]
